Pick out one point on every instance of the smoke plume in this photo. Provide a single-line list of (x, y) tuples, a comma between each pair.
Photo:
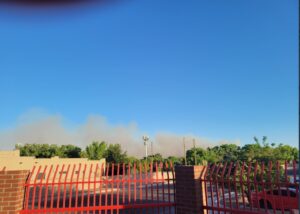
[(38, 127)]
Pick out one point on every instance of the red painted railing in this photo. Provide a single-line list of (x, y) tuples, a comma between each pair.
[(110, 188), (251, 188)]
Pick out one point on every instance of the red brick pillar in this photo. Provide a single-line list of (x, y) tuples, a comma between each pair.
[(190, 194), (12, 190)]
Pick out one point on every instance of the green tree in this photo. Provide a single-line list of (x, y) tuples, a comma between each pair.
[(196, 156), (264, 141), (38, 150), (249, 152), (46, 150), (155, 158), (69, 151), (212, 155), (258, 151), (131, 160), (175, 160), (285, 153), (96, 150), (27, 149), (225, 152), (114, 154)]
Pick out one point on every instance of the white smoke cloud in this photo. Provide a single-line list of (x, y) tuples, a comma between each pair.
[(38, 127)]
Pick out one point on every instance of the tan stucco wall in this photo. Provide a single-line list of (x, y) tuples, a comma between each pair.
[(14, 153), (55, 169), (12, 160)]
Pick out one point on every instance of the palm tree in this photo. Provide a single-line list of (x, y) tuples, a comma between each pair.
[(96, 150)]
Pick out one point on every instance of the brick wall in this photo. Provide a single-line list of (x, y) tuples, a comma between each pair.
[(12, 190), (190, 194)]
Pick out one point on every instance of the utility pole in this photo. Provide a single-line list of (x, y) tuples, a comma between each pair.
[(146, 138), (184, 151), (195, 154)]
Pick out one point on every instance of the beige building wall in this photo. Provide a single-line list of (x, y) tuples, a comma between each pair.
[(9, 154), (55, 169)]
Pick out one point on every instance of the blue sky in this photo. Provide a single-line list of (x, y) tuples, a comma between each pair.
[(215, 69)]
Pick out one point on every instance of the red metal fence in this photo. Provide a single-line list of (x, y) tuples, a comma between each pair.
[(251, 188), (110, 188)]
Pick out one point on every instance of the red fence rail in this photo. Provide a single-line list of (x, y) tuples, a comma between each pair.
[(110, 188), (251, 187)]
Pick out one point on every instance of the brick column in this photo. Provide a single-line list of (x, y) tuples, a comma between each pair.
[(190, 194), (12, 190)]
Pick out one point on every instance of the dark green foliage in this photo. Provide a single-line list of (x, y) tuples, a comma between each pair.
[(69, 151), (114, 154), (46, 151), (225, 152), (285, 152), (196, 156), (156, 158), (49, 150), (174, 160), (96, 150), (262, 152), (131, 160)]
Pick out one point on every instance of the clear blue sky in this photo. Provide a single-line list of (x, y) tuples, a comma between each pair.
[(217, 69)]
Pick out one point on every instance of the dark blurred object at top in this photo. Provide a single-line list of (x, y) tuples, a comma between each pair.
[(53, 3)]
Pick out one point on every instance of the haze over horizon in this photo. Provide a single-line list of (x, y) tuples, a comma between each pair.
[(218, 72)]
